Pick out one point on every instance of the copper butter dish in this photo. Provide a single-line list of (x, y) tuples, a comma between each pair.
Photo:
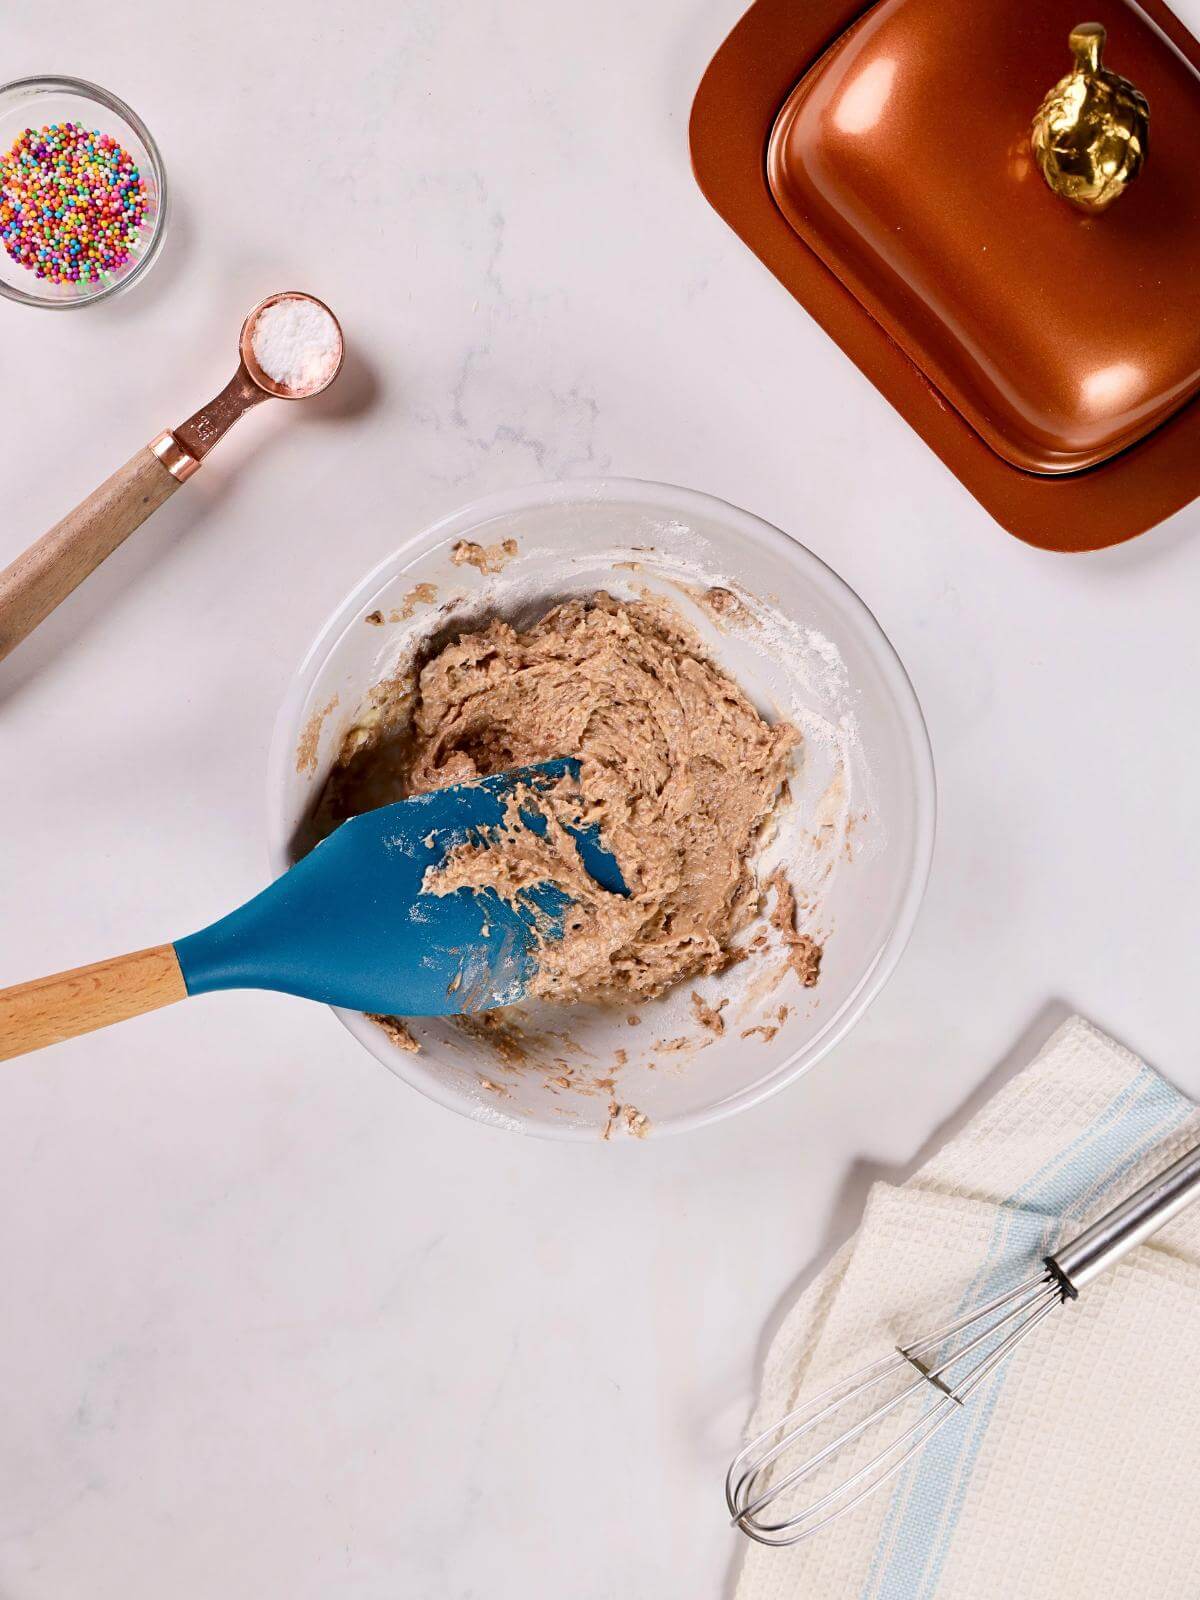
[(995, 211)]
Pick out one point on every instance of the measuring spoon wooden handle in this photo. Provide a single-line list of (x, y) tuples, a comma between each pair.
[(47, 1010), (45, 574)]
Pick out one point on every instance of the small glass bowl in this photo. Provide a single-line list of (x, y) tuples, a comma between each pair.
[(38, 102)]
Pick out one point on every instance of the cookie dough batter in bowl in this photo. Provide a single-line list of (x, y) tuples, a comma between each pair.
[(781, 696)]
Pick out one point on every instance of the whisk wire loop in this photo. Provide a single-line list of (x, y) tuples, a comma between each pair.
[(934, 1358)]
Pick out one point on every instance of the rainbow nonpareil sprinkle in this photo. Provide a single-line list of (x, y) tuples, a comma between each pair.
[(71, 203)]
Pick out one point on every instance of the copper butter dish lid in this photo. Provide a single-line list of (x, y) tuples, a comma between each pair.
[(996, 211), (904, 158)]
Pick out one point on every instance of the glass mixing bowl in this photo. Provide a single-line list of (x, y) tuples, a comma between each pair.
[(858, 830), (41, 102)]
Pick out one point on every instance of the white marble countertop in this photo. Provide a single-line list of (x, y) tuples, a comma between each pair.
[(273, 1324)]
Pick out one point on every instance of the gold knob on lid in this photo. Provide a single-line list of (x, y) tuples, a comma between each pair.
[(1090, 132)]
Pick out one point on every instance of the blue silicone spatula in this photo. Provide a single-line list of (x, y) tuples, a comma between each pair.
[(349, 924)]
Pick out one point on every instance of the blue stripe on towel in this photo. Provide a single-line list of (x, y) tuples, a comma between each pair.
[(929, 1494)]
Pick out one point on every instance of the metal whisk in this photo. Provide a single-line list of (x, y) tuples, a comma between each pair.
[(936, 1375)]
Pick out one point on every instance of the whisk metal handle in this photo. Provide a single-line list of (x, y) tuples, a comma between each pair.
[(1127, 1225)]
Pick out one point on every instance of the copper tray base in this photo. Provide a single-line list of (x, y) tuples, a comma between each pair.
[(736, 105)]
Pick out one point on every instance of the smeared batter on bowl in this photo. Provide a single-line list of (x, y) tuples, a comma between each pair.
[(677, 768)]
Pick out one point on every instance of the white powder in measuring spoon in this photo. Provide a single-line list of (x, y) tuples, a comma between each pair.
[(297, 344)]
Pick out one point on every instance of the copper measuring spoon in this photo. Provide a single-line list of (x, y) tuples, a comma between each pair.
[(45, 574)]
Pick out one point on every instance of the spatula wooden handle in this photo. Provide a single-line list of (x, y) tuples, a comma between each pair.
[(36, 1014), (45, 574)]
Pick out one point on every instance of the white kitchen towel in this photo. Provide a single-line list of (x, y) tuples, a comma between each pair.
[(1073, 1473)]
